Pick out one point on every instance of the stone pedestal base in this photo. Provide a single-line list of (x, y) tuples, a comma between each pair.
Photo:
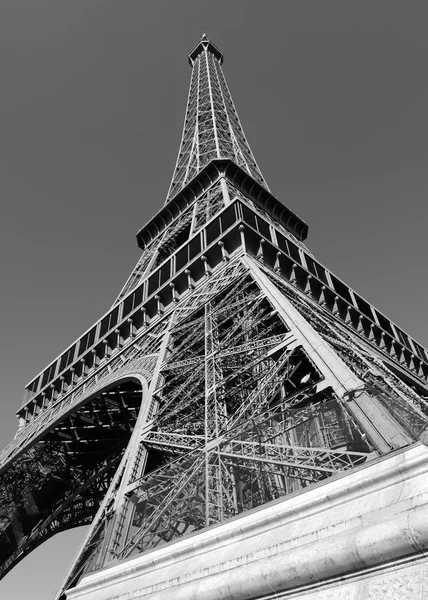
[(361, 535)]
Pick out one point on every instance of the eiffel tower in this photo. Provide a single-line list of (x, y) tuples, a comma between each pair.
[(233, 373)]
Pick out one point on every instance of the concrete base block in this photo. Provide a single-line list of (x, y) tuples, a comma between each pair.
[(359, 535)]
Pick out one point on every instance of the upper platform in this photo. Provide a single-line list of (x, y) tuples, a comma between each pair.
[(205, 45), (202, 182)]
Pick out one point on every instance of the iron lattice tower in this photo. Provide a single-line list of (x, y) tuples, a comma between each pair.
[(233, 369)]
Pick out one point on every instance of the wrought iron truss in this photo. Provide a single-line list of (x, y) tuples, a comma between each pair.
[(211, 126), (240, 414), (232, 370)]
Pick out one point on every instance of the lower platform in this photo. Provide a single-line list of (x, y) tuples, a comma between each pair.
[(360, 535)]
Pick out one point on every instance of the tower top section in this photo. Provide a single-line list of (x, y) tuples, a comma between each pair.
[(212, 129), (205, 45)]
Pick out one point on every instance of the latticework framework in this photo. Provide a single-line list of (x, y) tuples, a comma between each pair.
[(232, 370), (211, 126)]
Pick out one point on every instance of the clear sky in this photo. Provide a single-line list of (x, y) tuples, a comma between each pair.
[(332, 96)]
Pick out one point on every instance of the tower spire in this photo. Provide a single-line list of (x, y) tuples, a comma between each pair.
[(211, 127)]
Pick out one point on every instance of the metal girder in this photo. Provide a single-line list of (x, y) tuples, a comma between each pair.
[(299, 457)]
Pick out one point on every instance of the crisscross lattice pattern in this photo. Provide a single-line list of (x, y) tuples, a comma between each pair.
[(211, 127)]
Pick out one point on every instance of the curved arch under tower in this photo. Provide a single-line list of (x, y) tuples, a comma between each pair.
[(59, 481)]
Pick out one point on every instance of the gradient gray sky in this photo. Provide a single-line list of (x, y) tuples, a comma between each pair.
[(332, 96)]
